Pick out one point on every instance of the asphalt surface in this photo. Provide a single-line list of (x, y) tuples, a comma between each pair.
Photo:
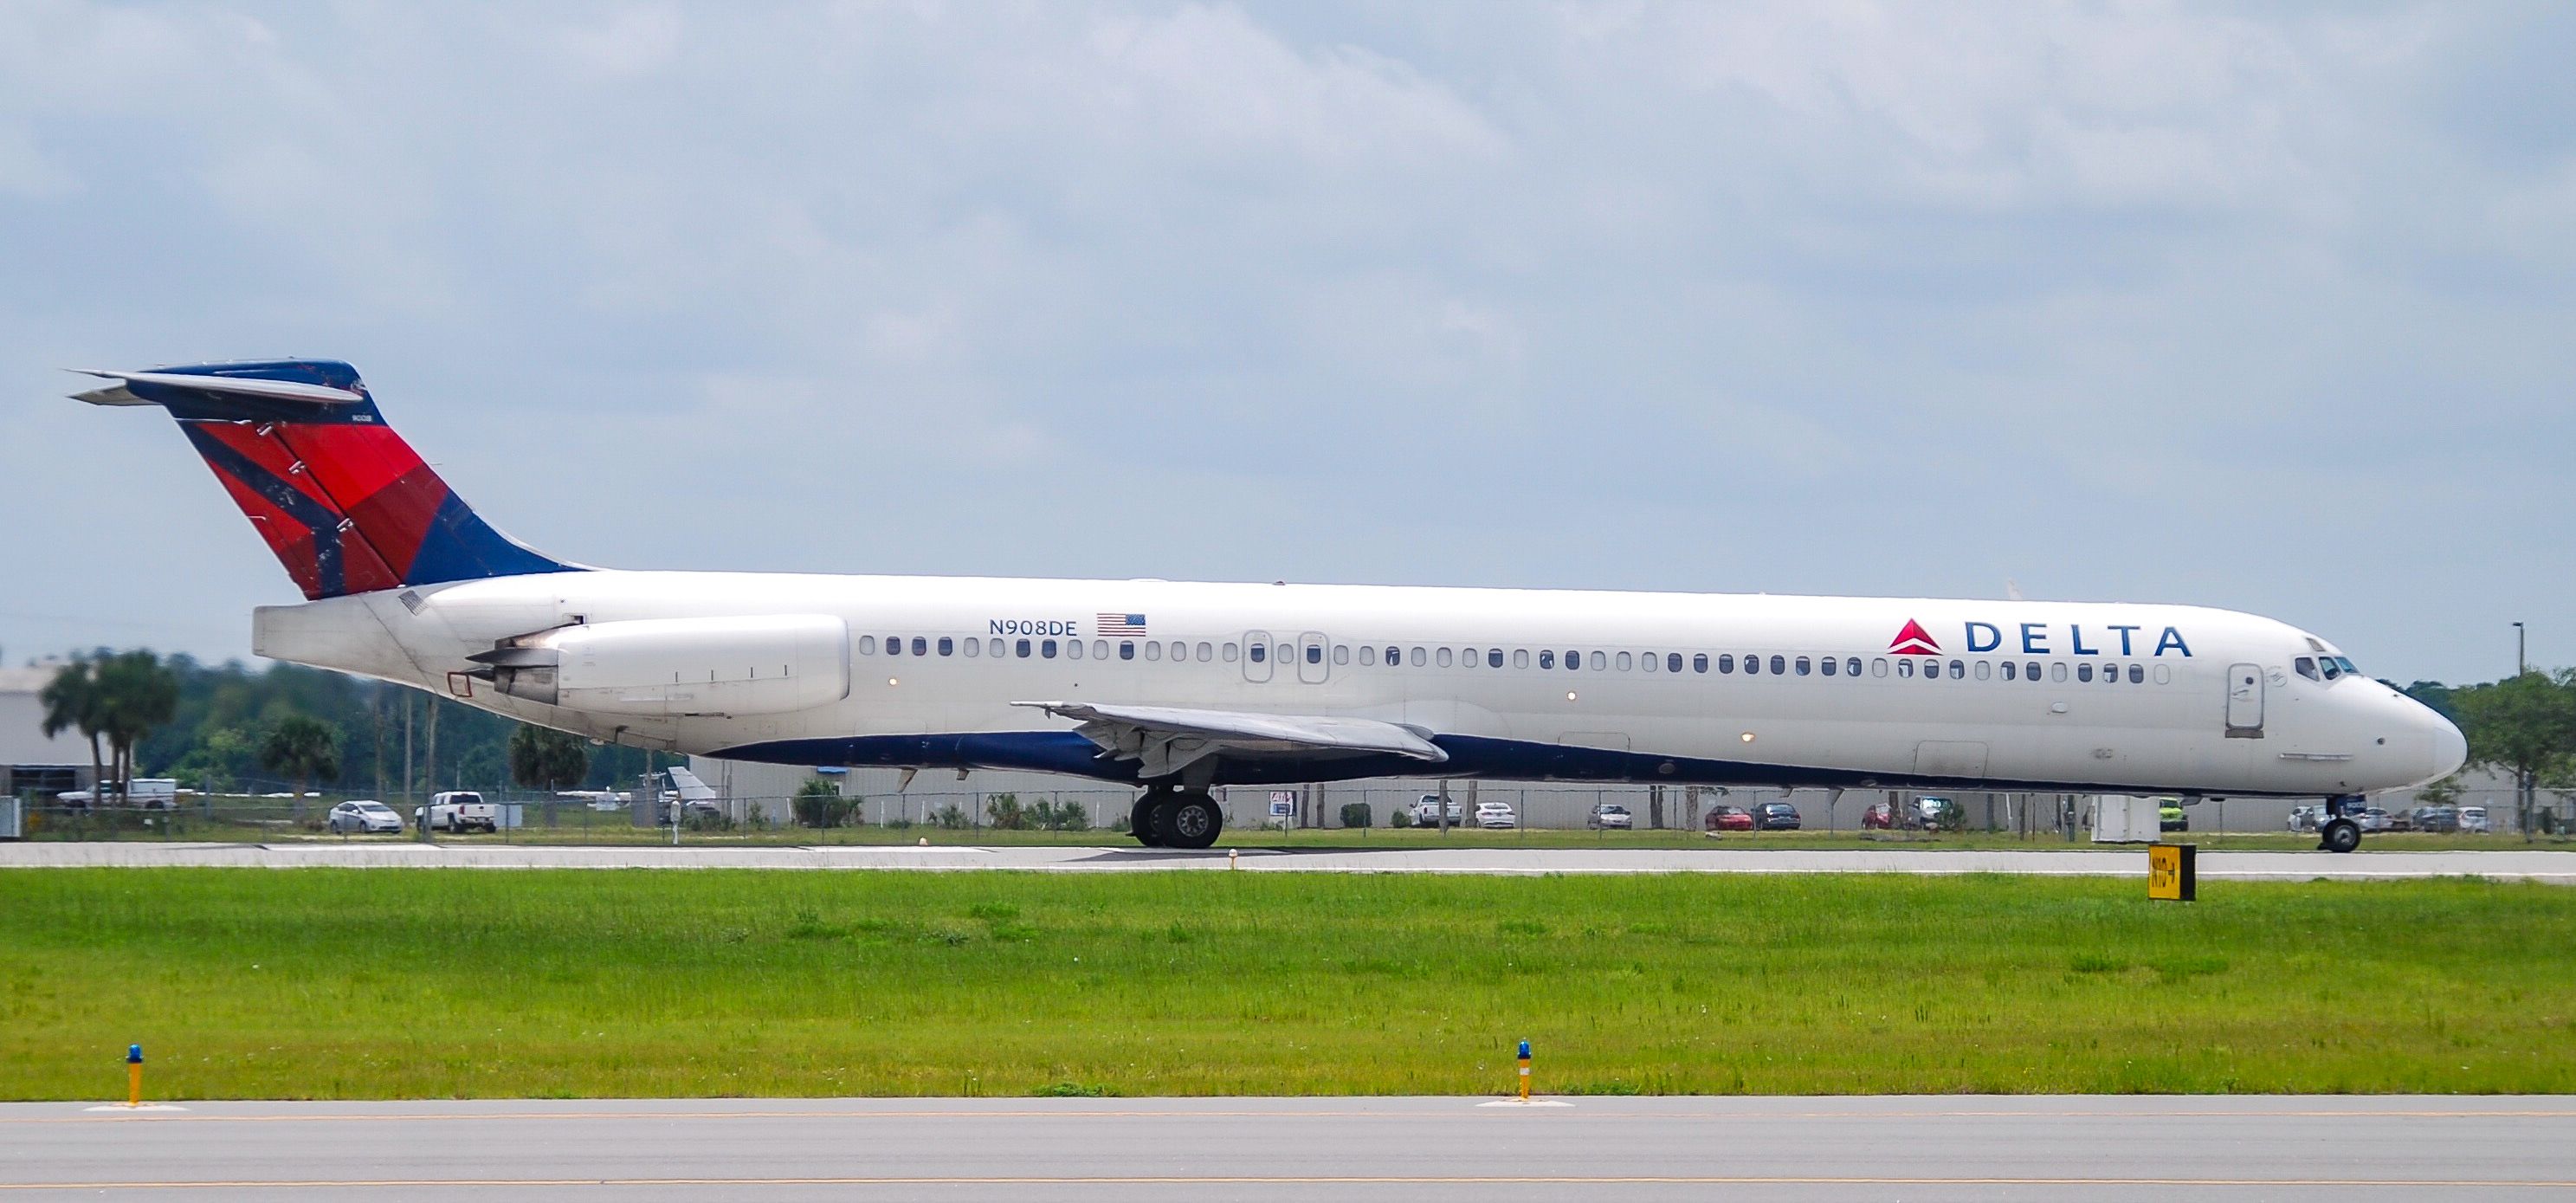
[(1141, 1150), (2554, 867)]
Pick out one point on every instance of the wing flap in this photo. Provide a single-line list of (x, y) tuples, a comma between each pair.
[(1167, 740)]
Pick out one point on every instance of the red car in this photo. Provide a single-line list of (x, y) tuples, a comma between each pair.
[(1877, 818), (1729, 818)]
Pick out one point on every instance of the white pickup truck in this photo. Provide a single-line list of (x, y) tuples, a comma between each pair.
[(458, 811)]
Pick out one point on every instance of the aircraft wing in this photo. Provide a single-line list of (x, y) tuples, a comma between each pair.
[(1167, 740)]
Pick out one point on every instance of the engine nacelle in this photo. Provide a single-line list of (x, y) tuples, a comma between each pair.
[(665, 667)]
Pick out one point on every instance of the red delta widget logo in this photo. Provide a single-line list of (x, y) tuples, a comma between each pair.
[(2042, 639)]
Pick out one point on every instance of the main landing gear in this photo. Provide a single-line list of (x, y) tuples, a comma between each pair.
[(1172, 817), (2337, 833)]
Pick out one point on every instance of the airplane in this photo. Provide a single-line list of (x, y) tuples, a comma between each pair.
[(1176, 688)]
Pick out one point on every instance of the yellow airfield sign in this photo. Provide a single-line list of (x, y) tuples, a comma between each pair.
[(2169, 872)]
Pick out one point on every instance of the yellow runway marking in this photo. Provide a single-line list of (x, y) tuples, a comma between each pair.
[(1304, 1180)]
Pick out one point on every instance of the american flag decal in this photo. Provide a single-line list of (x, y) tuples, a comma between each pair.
[(1120, 624)]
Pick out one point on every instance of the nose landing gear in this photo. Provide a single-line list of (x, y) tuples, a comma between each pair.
[(2337, 833)]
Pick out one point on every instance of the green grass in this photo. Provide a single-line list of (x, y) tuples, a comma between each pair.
[(368, 984)]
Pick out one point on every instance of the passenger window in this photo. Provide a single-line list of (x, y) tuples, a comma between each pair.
[(1573, 660), (2030, 671), (1466, 657), (2164, 674), (1520, 657), (1287, 654), (1699, 662), (1905, 668), (2008, 670), (1126, 649), (1802, 666), (2083, 672), (1418, 658), (1828, 665), (1726, 662), (1394, 656), (1851, 666), (894, 645), (1228, 652), (1259, 652), (1673, 662), (1341, 653), (2137, 674), (1494, 658), (868, 645), (973, 648), (1153, 650), (2057, 671), (1878, 666), (1600, 662), (1444, 657), (1368, 655), (1650, 662), (993, 648), (1046, 649), (1623, 661), (1207, 651), (1984, 670), (1546, 658), (947, 646), (1073, 649), (1023, 649), (1099, 649), (1958, 670), (1779, 665), (1314, 653)]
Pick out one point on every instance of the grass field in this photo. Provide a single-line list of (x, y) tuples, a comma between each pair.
[(363, 984)]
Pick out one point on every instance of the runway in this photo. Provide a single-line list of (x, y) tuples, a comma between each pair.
[(1936, 1148), (2516, 865)]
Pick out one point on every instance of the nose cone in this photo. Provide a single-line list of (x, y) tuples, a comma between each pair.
[(2450, 748)]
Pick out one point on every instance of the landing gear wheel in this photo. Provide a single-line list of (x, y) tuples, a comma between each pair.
[(2339, 835), (1140, 821), (1188, 819)]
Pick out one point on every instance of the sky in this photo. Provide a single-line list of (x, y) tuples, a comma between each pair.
[(2262, 307)]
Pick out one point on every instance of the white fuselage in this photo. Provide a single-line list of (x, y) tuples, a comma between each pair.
[(2130, 697)]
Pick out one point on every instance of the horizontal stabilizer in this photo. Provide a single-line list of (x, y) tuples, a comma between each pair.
[(231, 386)]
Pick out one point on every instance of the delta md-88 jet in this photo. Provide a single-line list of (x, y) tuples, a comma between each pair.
[(1177, 688)]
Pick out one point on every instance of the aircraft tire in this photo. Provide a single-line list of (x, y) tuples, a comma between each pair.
[(2339, 835), (1189, 819), (1140, 820)]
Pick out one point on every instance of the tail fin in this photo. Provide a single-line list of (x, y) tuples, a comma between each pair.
[(344, 502)]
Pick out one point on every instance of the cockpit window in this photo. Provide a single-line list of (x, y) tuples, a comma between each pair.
[(2346, 665), (2332, 669), (2307, 667)]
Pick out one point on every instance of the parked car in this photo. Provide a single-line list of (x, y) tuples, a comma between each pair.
[(1936, 814), (1879, 817), (2306, 818), (1775, 816), (2402, 820), (1426, 812), (2373, 819), (1729, 818), (1496, 815), (1609, 815), (2442, 819), (2170, 817), (2473, 821), (365, 816), (458, 810)]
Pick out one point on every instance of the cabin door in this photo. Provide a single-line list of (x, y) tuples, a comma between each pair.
[(2244, 701)]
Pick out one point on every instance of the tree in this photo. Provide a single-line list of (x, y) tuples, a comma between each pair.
[(303, 748), (2524, 726), (547, 759), (819, 804), (1006, 812), (72, 703), (137, 693)]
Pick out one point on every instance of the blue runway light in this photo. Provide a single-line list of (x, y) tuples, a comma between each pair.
[(134, 1054), (1524, 1050)]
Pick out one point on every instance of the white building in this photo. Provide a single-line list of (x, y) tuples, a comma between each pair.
[(31, 763)]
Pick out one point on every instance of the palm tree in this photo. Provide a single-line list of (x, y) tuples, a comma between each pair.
[(72, 701), (543, 758), (302, 748), (136, 694)]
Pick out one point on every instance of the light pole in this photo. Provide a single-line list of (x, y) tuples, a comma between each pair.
[(2521, 661)]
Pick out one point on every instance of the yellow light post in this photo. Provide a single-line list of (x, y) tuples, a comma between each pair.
[(134, 1075), (1524, 1071)]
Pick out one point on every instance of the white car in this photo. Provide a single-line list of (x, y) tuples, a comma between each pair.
[(2473, 821), (365, 816), (1611, 814), (1496, 814)]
